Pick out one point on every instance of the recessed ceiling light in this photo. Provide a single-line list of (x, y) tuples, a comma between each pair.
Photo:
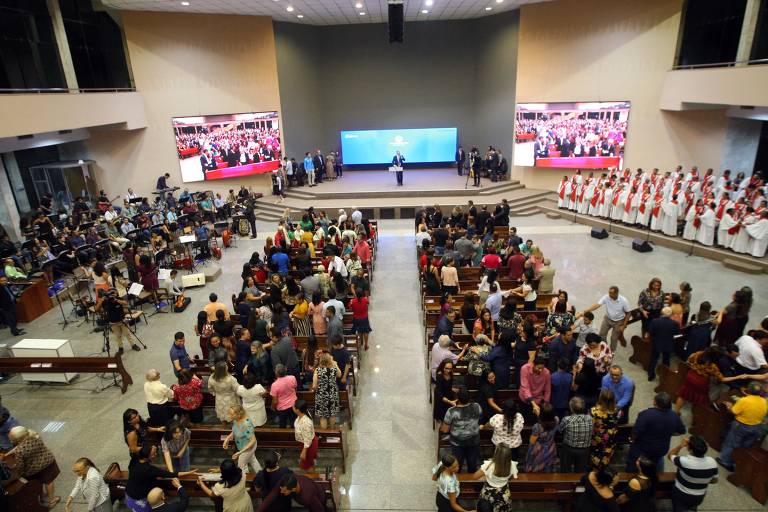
[(358, 5), (185, 4), (424, 11), (289, 9), (499, 1), (299, 15), (488, 8), (362, 13), (428, 3)]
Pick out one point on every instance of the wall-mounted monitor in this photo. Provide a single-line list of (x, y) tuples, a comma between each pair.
[(417, 145), (589, 135), (227, 145)]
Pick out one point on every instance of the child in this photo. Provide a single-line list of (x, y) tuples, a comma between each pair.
[(359, 307), (584, 327)]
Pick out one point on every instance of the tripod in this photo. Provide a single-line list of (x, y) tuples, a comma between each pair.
[(64, 322)]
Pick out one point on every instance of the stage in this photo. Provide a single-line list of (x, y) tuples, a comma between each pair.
[(377, 192)]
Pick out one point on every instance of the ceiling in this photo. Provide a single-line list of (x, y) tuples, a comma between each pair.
[(328, 12)]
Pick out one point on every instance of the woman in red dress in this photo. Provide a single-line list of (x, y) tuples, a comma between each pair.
[(702, 366)]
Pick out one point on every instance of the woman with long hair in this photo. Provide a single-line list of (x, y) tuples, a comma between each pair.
[(501, 357), (702, 366), (90, 486), (300, 319), (605, 426), (136, 431), (445, 394), (304, 431), (231, 488), (484, 325), (598, 493), (685, 300), (100, 278), (587, 383), (189, 394), (527, 293), (558, 320), (699, 331), (509, 318), (497, 471), (639, 492), (432, 278), (470, 312), (319, 326), (484, 289), (175, 446), (732, 319), (507, 427), (203, 329), (244, 437), (291, 293), (223, 387)]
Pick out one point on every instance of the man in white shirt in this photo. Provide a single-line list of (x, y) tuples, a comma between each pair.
[(337, 305), (111, 214), (751, 356), (342, 217), (337, 265), (357, 216), (494, 300), (617, 310), (422, 235)]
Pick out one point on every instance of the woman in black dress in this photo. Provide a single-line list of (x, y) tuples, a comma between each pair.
[(587, 383), (732, 320), (445, 395), (638, 493), (598, 491)]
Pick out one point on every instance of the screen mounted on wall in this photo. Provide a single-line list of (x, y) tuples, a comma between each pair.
[(573, 135), (417, 145), (227, 145)]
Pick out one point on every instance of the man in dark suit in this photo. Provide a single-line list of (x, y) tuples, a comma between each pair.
[(319, 161), (492, 163), (564, 145), (541, 148), (8, 307), (503, 168), (161, 182), (267, 153), (228, 155), (157, 503), (206, 162), (397, 161), (461, 158)]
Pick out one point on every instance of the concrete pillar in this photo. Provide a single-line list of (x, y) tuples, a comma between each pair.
[(9, 214), (748, 28), (63, 45)]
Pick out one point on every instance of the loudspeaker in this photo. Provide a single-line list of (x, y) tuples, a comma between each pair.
[(599, 233), (641, 245), (396, 22)]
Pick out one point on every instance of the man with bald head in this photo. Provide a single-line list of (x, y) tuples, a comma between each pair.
[(156, 499)]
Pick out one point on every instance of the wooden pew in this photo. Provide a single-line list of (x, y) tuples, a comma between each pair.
[(20, 493), (443, 443), (68, 365), (670, 381), (560, 487), (751, 471), (432, 302), (710, 423), (117, 479), (209, 401), (268, 439)]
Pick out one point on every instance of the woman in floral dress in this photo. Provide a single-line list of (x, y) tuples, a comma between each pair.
[(326, 390), (542, 454), (605, 426)]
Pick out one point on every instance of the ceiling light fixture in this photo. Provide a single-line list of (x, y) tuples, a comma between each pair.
[(362, 13), (358, 5), (499, 1), (289, 9), (424, 11), (429, 3), (299, 16), (185, 4), (488, 8)]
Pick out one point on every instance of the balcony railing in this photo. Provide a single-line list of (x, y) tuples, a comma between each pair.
[(722, 64), (47, 90)]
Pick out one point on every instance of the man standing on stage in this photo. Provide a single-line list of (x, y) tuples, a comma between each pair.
[(397, 161), (461, 158)]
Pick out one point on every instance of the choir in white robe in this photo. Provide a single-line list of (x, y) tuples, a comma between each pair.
[(689, 231), (605, 208), (740, 242), (706, 233), (594, 203), (588, 194), (723, 237), (644, 216), (657, 221), (562, 194), (618, 209), (758, 237), (669, 222), (630, 209)]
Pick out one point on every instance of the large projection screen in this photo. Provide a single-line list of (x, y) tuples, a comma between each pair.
[(590, 135), (417, 145), (227, 145)]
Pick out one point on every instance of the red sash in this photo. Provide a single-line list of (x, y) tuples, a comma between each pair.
[(721, 209), (628, 205), (561, 192), (616, 195), (735, 229), (643, 200)]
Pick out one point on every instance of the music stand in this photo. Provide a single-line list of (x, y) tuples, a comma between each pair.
[(86, 226), (28, 244), (186, 242), (133, 234), (135, 200), (64, 322)]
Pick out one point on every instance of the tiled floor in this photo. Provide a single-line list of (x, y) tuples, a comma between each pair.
[(392, 447)]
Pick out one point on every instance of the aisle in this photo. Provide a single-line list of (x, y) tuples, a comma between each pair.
[(392, 445)]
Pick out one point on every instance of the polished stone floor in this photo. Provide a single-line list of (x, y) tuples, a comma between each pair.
[(392, 447)]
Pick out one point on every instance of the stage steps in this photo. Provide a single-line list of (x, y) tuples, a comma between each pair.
[(527, 206), (730, 259), (488, 189)]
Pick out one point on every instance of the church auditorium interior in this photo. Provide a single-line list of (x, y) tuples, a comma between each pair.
[(412, 255)]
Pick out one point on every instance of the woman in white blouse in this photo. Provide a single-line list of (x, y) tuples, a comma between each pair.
[(157, 395), (507, 427), (305, 434), (253, 395), (497, 472), (90, 486)]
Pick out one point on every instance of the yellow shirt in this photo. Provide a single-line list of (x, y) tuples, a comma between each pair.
[(750, 410)]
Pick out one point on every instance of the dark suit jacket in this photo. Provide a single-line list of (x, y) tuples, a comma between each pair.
[(229, 156), (540, 150), (395, 162), (319, 162), (7, 302), (461, 156), (207, 163), (176, 506)]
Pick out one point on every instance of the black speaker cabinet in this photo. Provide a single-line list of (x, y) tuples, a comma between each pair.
[(396, 23), (641, 245), (599, 233)]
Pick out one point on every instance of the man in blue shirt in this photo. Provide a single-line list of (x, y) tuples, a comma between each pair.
[(561, 387), (562, 347), (179, 356), (281, 261), (309, 168), (653, 431), (444, 325), (623, 389), (201, 231)]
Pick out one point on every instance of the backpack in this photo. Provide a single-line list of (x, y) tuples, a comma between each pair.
[(243, 227)]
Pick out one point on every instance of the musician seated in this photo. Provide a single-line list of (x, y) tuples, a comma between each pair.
[(103, 202), (128, 209), (80, 206), (170, 287), (76, 240), (208, 209), (157, 217), (189, 208), (158, 242), (184, 196), (144, 206), (12, 271), (170, 201), (116, 240), (127, 226)]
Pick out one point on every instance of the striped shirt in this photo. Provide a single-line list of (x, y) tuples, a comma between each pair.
[(694, 474), (92, 487)]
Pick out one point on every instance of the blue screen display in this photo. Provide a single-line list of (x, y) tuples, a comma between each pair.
[(417, 145)]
